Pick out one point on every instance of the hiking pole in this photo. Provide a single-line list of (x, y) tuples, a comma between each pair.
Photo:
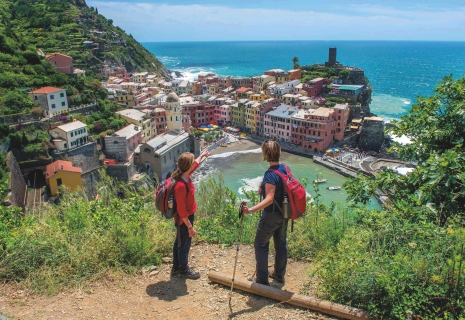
[(241, 216)]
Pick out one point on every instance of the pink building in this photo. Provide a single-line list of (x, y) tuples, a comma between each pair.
[(277, 124), (314, 87), (160, 119), (223, 115), (315, 129), (133, 135), (61, 62), (266, 106), (200, 114)]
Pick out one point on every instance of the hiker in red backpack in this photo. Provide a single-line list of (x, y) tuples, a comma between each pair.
[(184, 196), (272, 223)]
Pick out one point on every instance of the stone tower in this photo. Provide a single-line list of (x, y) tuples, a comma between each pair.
[(173, 112), (331, 58)]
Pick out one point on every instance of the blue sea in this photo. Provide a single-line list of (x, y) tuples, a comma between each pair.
[(399, 71)]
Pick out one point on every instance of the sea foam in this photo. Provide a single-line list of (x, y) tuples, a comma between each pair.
[(228, 154)]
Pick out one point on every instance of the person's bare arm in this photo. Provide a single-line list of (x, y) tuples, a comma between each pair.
[(269, 191)]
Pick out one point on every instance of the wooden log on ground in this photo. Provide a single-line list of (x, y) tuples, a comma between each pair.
[(298, 300)]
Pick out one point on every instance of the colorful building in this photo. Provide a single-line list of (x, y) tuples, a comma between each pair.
[(62, 173), (52, 100), (70, 135), (315, 129), (141, 120), (238, 113), (277, 124), (61, 62), (252, 108)]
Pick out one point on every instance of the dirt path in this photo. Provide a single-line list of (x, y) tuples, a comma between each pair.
[(154, 295)]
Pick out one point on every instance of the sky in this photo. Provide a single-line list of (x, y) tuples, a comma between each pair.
[(224, 20)]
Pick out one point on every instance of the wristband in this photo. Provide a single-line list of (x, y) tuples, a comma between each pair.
[(251, 210), (191, 227)]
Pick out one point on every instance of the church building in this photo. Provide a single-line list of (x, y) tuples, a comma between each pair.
[(158, 156)]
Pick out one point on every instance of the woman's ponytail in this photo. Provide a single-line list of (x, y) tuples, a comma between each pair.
[(184, 164)]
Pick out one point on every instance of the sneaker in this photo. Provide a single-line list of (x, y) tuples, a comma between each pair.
[(189, 273), (174, 271), (274, 276)]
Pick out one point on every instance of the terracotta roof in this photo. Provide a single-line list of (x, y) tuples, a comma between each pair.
[(48, 56), (242, 89), (58, 165), (47, 90)]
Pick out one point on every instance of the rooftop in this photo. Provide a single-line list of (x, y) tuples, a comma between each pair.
[(132, 114), (60, 165), (242, 90), (46, 90), (283, 111), (71, 126), (128, 131)]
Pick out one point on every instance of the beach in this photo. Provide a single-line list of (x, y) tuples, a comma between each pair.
[(236, 145)]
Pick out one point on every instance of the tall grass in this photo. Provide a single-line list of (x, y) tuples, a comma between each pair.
[(376, 260)]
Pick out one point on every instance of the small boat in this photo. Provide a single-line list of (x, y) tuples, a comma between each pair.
[(320, 180), (334, 188), (223, 145)]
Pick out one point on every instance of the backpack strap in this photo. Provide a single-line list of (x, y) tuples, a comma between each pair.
[(282, 177)]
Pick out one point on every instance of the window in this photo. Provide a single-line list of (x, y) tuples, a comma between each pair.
[(62, 95), (53, 106), (72, 134), (52, 97), (59, 182), (35, 97), (63, 103)]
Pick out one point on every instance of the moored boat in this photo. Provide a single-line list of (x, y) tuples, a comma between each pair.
[(320, 180), (334, 188)]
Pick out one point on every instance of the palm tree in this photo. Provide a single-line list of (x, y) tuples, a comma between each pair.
[(295, 61)]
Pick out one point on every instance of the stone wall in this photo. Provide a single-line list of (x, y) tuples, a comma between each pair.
[(17, 185), (121, 172), (115, 145), (85, 157), (351, 140)]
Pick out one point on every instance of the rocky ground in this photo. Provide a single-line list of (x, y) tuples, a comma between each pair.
[(153, 294)]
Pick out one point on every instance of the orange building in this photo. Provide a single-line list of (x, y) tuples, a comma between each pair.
[(60, 173)]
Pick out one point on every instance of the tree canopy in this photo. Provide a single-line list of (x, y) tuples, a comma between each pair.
[(436, 127)]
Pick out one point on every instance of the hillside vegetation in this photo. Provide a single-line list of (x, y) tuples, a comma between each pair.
[(62, 26)]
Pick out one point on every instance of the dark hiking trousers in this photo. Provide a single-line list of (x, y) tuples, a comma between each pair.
[(181, 254), (271, 225)]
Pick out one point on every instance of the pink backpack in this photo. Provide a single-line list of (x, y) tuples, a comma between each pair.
[(295, 192)]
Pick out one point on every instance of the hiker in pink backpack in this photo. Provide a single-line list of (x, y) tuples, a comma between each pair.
[(284, 198)]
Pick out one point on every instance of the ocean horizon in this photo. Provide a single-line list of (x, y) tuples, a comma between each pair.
[(399, 71)]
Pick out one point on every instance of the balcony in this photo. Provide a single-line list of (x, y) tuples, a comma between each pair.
[(312, 139)]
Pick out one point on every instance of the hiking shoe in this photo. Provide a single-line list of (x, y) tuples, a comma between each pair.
[(189, 273), (174, 271), (274, 276), (253, 279)]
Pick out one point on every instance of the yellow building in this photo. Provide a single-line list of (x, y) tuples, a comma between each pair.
[(238, 113), (250, 111), (125, 98), (60, 173), (258, 97)]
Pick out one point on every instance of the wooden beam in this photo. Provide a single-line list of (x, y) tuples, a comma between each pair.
[(298, 300)]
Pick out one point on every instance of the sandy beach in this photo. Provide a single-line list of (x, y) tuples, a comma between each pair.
[(236, 145)]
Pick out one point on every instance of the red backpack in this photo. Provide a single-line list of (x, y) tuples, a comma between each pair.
[(295, 192), (165, 192)]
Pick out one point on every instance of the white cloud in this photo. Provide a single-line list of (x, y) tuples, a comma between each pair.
[(164, 22)]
